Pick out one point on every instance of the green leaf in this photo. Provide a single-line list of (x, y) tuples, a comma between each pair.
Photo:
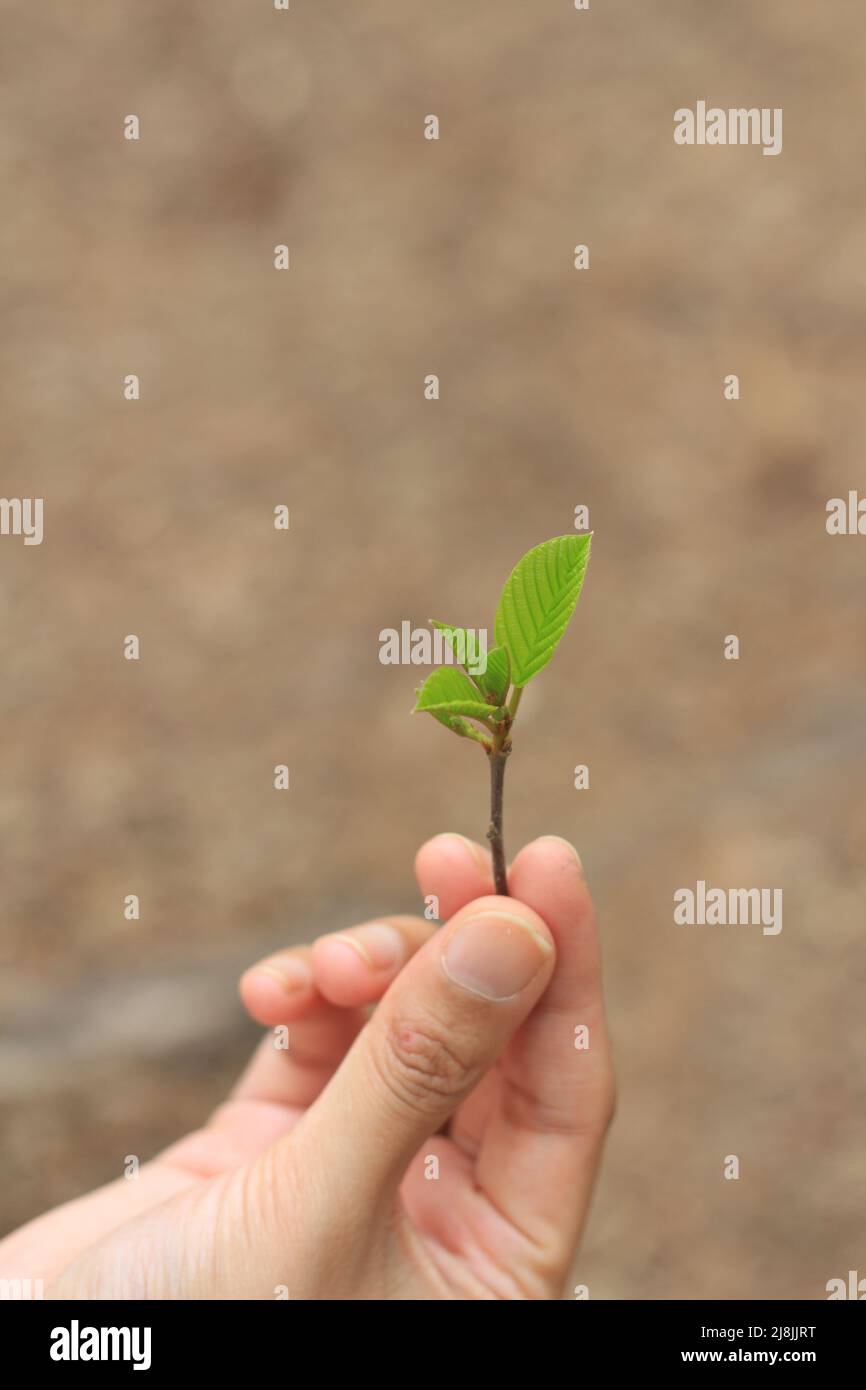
[(449, 691), (461, 727), (464, 644), (494, 681), (538, 601)]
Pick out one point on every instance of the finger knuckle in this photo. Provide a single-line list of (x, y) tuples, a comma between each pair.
[(554, 1109), (421, 1064)]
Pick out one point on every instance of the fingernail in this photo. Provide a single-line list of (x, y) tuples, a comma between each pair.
[(475, 850), (378, 945), (568, 845), (292, 975), (495, 955)]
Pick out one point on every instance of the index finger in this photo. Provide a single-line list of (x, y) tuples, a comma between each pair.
[(455, 871), (543, 1138)]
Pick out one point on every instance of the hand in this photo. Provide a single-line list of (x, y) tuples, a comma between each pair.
[(443, 1147)]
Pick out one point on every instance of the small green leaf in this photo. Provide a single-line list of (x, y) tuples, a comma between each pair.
[(449, 691), (497, 678), (461, 727), (537, 602), (463, 643), (494, 680)]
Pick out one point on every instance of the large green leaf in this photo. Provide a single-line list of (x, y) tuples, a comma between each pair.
[(538, 601), (494, 681), (449, 691)]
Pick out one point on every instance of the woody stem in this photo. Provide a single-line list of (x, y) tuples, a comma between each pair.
[(498, 757)]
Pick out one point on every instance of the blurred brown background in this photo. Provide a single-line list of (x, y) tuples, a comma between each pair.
[(258, 647)]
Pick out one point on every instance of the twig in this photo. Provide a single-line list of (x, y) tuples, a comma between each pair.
[(498, 757)]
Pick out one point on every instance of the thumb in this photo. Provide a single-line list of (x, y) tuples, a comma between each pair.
[(441, 1025)]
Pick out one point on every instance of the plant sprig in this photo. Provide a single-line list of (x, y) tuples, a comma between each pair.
[(534, 610)]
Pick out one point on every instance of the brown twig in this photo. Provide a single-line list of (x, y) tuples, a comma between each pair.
[(497, 754), (498, 757)]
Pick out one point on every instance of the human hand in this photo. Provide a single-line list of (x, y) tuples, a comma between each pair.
[(315, 1180)]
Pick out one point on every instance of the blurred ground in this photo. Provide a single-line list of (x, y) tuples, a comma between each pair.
[(258, 647)]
